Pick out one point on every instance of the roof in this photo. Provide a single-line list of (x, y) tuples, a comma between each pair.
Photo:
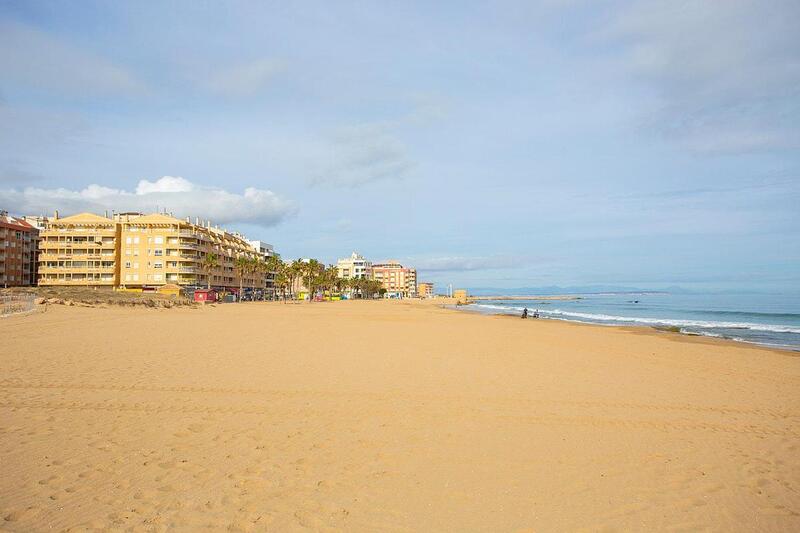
[(8, 220), (83, 218), (157, 218)]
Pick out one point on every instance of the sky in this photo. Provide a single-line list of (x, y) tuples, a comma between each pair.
[(488, 144)]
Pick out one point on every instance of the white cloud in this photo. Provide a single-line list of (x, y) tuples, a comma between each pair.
[(175, 194), (244, 79), (39, 61), (164, 184)]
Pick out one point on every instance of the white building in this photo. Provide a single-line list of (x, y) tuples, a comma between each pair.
[(354, 266), (263, 249)]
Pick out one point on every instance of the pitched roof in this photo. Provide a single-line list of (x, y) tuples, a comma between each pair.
[(84, 218), (14, 221)]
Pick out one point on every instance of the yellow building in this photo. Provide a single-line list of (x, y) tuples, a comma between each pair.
[(460, 295), (79, 250), (136, 251), (425, 289)]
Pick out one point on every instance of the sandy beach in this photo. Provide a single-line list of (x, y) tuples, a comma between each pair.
[(387, 416)]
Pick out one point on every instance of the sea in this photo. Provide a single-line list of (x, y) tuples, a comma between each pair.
[(766, 319)]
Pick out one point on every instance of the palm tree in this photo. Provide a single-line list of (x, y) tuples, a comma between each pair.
[(313, 276), (274, 268), (210, 263), (293, 273), (242, 266), (338, 284)]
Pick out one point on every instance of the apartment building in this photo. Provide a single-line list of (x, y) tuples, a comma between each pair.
[(78, 250), (265, 251), (17, 250), (132, 250), (353, 267), (37, 222), (399, 281), (425, 289)]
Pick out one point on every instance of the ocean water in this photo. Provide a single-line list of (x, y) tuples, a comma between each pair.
[(770, 320)]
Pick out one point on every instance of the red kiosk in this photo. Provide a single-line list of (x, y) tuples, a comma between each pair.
[(205, 295)]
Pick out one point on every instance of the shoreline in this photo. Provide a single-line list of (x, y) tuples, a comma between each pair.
[(642, 329), (562, 297)]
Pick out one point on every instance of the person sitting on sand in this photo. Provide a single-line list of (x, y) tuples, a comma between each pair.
[(536, 314), (525, 313)]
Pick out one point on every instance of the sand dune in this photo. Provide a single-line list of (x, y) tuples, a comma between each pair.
[(390, 416)]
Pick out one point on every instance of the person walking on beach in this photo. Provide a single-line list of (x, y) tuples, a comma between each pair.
[(525, 313)]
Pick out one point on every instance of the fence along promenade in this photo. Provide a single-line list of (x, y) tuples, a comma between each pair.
[(13, 304)]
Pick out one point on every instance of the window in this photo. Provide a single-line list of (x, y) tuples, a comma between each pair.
[(127, 264), (158, 265), (156, 277), (135, 251), (158, 240), (128, 240), (128, 277), (136, 240), (136, 265), (136, 277), (127, 251), (159, 252)]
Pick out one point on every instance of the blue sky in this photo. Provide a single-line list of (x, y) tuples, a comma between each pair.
[(490, 144)]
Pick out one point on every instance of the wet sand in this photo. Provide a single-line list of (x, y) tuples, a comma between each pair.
[(390, 416)]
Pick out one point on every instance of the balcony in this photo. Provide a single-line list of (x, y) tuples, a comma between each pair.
[(190, 246), (192, 233), (48, 282), (67, 270)]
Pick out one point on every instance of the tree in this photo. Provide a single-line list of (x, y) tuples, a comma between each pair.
[(313, 276), (293, 273), (274, 268), (242, 266), (210, 263), (338, 284)]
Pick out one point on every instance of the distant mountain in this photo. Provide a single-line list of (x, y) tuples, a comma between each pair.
[(556, 290)]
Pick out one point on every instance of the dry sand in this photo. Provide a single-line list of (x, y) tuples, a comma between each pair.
[(387, 416)]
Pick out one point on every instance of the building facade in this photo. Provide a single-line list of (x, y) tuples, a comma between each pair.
[(461, 296), (425, 289), (17, 251), (354, 267), (399, 281), (136, 251), (265, 251)]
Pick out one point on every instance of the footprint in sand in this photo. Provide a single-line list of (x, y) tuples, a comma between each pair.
[(19, 514)]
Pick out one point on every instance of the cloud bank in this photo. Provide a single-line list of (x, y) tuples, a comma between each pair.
[(177, 195)]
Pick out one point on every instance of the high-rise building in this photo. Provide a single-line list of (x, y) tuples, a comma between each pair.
[(133, 250), (399, 281), (17, 251)]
